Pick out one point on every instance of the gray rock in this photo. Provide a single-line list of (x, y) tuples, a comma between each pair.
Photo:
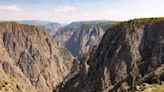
[(80, 37), (32, 58), (129, 54)]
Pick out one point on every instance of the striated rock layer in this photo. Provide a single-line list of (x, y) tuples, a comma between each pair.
[(30, 60), (130, 53)]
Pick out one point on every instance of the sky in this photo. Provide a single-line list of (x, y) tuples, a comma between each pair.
[(66, 11)]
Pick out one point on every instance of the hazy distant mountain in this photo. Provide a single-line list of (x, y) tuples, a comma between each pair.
[(80, 37), (51, 27), (100, 23), (34, 22)]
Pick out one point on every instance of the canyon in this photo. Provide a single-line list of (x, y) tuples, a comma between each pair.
[(125, 56)]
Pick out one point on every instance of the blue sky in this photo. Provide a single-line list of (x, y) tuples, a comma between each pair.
[(65, 11)]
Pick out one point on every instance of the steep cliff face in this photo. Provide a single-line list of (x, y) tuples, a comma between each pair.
[(30, 60), (130, 53), (80, 37)]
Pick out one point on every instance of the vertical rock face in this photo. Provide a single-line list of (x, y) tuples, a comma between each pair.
[(80, 37), (130, 53), (30, 59)]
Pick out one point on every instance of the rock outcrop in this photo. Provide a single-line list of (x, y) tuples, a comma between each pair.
[(31, 60), (130, 53), (80, 37)]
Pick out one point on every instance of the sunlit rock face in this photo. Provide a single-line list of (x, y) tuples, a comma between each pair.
[(31, 60), (130, 53)]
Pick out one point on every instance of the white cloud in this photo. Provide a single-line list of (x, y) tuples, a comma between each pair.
[(67, 13), (60, 14), (13, 12), (9, 8), (98, 15), (64, 9)]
